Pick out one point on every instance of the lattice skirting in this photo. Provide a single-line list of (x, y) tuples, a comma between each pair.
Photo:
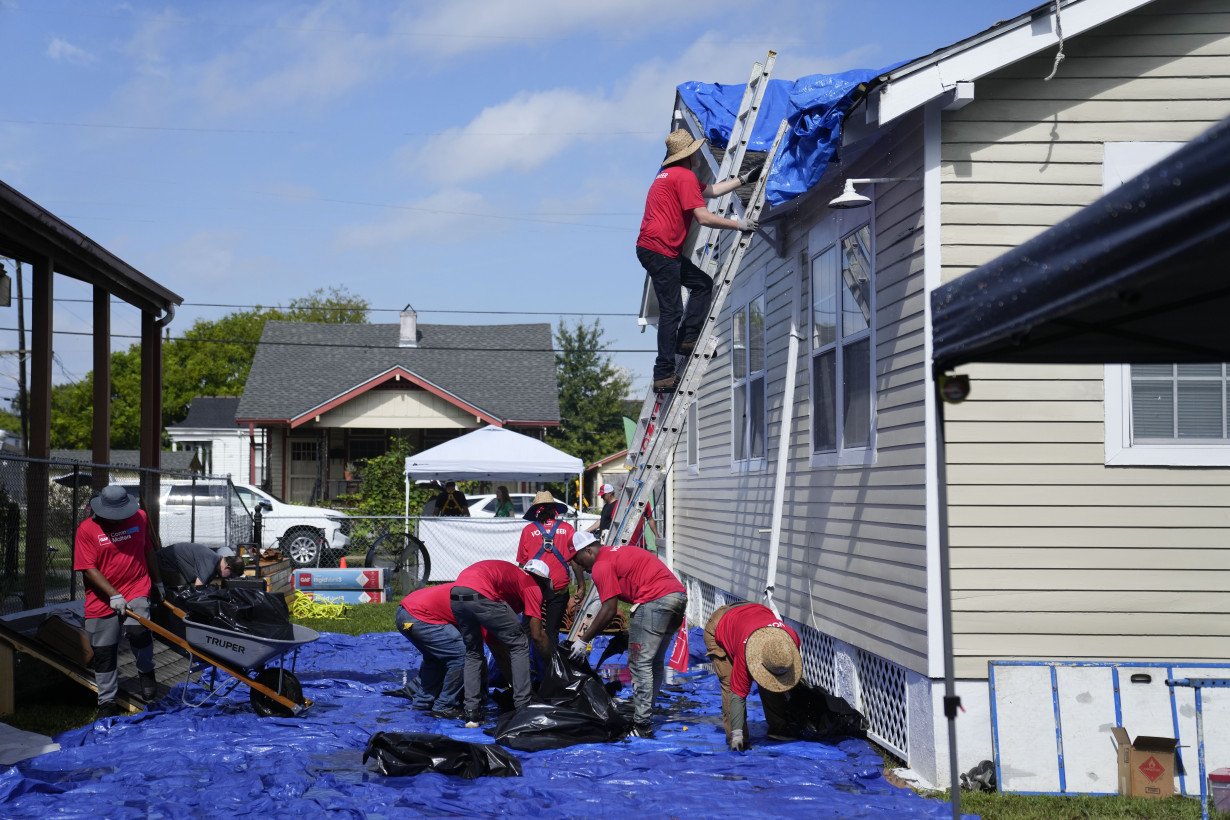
[(878, 686)]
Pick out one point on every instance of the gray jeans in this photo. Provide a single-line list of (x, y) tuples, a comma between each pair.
[(649, 634), (105, 640), (473, 612)]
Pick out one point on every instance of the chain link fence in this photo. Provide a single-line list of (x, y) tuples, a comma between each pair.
[(42, 501)]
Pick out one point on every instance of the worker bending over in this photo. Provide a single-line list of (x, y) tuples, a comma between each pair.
[(746, 643), (197, 564), (637, 577)]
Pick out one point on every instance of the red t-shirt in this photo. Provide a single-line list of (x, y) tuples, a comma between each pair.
[(668, 210), (531, 542), (430, 605), (118, 550), (732, 632), (633, 575), (504, 581)]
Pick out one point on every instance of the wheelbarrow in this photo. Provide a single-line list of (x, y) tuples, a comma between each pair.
[(275, 689)]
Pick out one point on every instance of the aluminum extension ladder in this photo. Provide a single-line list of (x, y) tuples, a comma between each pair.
[(662, 414)]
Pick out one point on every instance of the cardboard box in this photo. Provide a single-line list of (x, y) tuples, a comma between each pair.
[(68, 639), (346, 596), (371, 578), (1146, 766)]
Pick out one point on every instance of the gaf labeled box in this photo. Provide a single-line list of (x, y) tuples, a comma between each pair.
[(1146, 767), (346, 596), (317, 579)]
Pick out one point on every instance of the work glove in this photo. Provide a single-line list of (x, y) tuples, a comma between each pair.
[(119, 604), (576, 650), (748, 223), (751, 175), (737, 743)]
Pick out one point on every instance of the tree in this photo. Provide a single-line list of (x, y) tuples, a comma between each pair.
[(591, 395), (211, 358)]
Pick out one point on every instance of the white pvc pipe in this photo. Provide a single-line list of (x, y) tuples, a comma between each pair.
[(406, 524), (783, 457)]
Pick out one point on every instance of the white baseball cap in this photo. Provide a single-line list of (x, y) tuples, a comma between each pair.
[(605, 488), (536, 566), (581, 540)]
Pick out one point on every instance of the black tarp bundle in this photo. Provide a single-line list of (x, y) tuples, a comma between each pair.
[(398, 754), (574, 707), (814, 713), (250, 611)]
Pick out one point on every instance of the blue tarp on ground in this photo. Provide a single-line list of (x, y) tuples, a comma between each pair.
[(815, 107), (175, 761)]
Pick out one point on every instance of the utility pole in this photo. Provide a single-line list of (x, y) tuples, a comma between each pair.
[(22, 397)]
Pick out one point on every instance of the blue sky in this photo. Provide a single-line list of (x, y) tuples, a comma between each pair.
[(483, 160)]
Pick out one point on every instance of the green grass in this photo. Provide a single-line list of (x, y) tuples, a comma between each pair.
[(47, 701), (995, 806), (358, 620)]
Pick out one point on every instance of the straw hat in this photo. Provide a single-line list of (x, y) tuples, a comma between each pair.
[(773, 659), (542, 498), (679, 144)]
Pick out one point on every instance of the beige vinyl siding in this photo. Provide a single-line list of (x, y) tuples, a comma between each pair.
[(1055, 555), (852, 556)]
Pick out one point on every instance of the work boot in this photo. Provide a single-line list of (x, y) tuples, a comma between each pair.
[(644, 730), (474, 719), (448, 713), (109, 709), (667, 384), (686, 347), (149, 686)]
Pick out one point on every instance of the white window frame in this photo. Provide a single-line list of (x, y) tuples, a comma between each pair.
[(827, 237), (692, 438), (741, 417), (1122, 161)]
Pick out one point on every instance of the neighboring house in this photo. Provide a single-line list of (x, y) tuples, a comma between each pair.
[(171, 462), (221, 444), (609, 470), (328, 396), (1079, 528)]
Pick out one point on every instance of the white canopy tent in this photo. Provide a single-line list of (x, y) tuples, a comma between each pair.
[(489, 454)]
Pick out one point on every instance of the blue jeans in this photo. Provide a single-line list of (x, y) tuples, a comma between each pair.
[(649, 634), (668, 276), (444, 656), (473, 613)]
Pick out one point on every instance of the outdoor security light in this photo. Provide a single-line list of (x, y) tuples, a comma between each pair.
[(849, 198)]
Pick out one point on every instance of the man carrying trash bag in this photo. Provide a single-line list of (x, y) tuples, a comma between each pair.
[(637, 577), (746, 643), (492, 595)]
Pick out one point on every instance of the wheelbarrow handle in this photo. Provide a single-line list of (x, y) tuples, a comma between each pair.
[(241, 676)]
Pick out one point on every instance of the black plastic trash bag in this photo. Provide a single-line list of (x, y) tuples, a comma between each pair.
[(398, 754), (814, 712), (250, 611), (575, 708)]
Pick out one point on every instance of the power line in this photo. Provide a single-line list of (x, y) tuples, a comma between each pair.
[(345, 346)]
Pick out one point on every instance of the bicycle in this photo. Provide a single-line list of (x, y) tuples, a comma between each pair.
[(405, 561)]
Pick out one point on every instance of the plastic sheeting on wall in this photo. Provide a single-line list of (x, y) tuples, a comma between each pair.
[(175, 761), (815, 106)]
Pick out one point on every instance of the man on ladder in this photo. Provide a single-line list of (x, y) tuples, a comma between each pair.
[(675, 198)]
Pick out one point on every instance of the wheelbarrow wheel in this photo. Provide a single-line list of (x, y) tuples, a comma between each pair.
[(282, 682)]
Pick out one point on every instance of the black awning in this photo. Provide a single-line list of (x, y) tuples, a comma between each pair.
[(1141, 275)]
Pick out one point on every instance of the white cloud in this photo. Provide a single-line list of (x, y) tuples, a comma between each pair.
[(61, 50), (440, 216)]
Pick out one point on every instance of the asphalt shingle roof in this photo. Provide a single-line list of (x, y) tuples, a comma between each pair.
[(173, 461), (507, 371), (210, 412)]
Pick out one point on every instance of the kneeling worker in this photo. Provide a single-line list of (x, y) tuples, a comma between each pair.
[(637, 577), (426, 618), (747, 643), (197, 564), (492, 595)]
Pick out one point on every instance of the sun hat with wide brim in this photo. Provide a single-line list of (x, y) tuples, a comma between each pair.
[(114, 503), (773, 660), (542, 498), (680, 144)]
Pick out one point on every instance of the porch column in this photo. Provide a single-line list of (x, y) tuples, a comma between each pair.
[(151, 415), (252, 453), (101, 438), (43, 276)]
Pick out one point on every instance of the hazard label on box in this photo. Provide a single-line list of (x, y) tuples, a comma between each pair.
[(1151, 768)]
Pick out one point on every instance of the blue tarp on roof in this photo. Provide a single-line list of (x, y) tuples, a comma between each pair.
[(175, 761), (815, 107)]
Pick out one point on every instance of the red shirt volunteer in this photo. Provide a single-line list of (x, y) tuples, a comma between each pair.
[(531, 543), (504, 581), (672, 197), (430, 605), (633, 575), (117, 549), (732, 633)]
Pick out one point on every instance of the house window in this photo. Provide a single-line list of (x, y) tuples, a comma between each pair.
[(365, 444), (747, 384), (842, 342), (693, 439), (1165, 415)]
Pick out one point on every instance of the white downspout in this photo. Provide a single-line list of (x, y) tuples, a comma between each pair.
[(406, 523), (783, 455)]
